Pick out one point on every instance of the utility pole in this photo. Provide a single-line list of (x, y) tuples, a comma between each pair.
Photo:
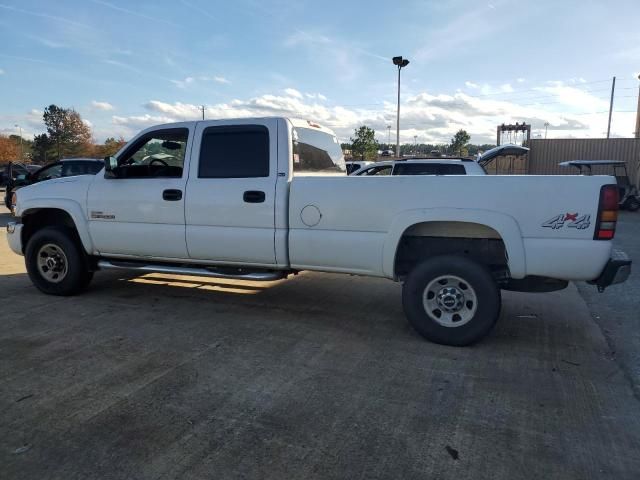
[(21, 153), (389, 137), (637, 132), (546, 125), (202, 108), (613, 89), (415, 144)]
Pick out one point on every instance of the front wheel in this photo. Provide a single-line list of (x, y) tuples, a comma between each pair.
[(451, 300), (56, 263)]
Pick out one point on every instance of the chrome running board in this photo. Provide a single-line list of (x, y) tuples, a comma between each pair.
[(260, 276)]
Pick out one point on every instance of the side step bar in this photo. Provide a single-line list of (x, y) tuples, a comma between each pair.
[(260, 276)]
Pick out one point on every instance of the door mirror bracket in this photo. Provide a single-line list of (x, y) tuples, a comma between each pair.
[(110, 167)]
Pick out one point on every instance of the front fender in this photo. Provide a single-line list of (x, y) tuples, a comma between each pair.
[(71, 207), (505, 225)]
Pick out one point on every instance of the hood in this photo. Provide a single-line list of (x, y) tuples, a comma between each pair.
[(66, 188)]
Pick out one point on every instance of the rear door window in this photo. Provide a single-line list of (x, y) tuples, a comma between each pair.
[(234, 152)]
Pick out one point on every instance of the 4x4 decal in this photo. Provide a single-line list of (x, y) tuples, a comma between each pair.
[(570, 220)]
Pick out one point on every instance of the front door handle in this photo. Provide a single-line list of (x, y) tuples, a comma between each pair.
[(253, 196), (172, 195)]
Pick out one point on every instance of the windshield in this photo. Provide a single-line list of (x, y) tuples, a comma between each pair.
[(315, 151)]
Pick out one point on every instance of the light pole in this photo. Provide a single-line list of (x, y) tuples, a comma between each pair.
[(20, 130), (400, 63), (415, 144), (389, 136), (637, 132), (546, 125)]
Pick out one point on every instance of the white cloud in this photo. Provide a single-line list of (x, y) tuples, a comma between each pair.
[(292, 92), (220, 79), (183, 83), (471, 84), (570, 110), (1, 71), (106, 106), (521, 80)]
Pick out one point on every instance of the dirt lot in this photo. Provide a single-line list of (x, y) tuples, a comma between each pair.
[(319, 376)]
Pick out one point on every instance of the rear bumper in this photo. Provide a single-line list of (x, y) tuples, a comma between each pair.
[(617, 270), (14, 237)]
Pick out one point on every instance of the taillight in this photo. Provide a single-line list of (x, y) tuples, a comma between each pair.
[(607, 213)]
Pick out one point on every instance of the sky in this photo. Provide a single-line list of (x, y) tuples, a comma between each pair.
[(127, 65)]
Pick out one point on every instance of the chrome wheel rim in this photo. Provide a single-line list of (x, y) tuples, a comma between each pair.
[(450, 301), (52, 263)]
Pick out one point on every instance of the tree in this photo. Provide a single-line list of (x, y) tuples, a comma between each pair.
[(364, 144), (459, 142), (110, 147), (43, 150), (66, 130), (9, 150)]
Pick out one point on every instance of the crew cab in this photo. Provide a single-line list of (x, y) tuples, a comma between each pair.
[(264, 198)]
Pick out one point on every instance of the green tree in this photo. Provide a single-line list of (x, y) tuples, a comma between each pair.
[(43, 150), (66, 131), (459, 142), (364, 144)]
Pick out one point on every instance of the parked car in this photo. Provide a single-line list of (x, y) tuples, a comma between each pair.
[(354, 165), (13, 169), (628, 192), (263, 198), (439, 165), (21, 175), (420, 166)]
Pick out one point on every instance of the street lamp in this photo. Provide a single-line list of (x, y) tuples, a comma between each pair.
[(546, 125), (21, 154), (400, 63)]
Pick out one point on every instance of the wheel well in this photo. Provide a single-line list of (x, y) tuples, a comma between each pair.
[(45, 217), (424, 240)]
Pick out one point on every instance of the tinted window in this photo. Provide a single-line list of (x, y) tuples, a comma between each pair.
[(234, 152), (450, 169), (385, 170), (315, 151), (428, 169), (53, 171), (157, 154), (80, 168), (416, 169)]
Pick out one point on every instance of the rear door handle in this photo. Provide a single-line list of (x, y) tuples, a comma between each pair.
[(253, 196), (172, 195)]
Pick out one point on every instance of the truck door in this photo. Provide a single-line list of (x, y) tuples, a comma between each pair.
[(140, 210), (230, 200)]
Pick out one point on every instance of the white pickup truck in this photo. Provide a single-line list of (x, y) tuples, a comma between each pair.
[(264, 198)]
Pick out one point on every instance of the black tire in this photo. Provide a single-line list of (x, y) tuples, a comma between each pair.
[(76, 275), (483, 289), (632, 204)]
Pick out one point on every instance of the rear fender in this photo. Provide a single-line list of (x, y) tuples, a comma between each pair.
[(506, 226)]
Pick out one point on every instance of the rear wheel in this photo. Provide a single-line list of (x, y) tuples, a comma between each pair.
[(56, 263), (451, 300)]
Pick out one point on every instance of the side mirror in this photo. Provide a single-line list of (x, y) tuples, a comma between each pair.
[(110, 165)]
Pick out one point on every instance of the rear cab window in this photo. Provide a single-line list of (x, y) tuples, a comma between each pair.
[(315, 150)]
